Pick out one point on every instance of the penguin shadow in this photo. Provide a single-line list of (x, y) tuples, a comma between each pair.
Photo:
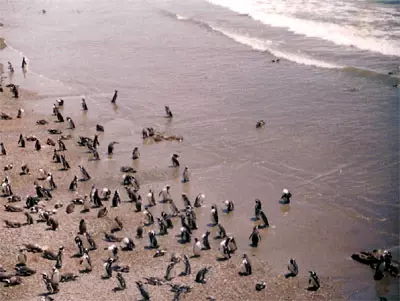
[(115, 229), (84, 211), (47, 294), (221, 259), (86, 271), (76, 255), (264, 226), (182, 274), (105, 277), (151, 247), (254, 219), (194, 256), (312, 288), (117, 289), (211, 225)]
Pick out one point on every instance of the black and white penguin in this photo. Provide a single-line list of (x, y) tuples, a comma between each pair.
[(255, 237), (153, 240), (85, 174), (21, 257), (19, 113), (185, 235), (135, 153), (61, 145), (191, 218), (168, 112), (79, 246), (313, 281), (138, 204), (3, 149), (24, 169), (292, 268), (143, 291), (285, 198), (60, 102), (206, 243), (47, 282), (188, 269), (56, 157), (150, 198), (257, 209), (59, 258), (174, 209), (196, 248), (214, 215), (139, 231), (185, 175), (199, 201), (24, 63), (221, 231), (108, 267), (82, 227), (167, 220), (264, 219), (260, 124), (37, 145), (21, 141), (175, 162), (121, 282), (55, 109), (184, 224), (162, 226), (116, 200), (74, 184), (168, 273), (245, 268), (96, 142), (380, 269), (102, 212), (51, 182), (84, 105), (224, 248), (201, 275), (114, 98), (127, 244), (71, 123), (90, 241), (60, 117), (229, 206), (186, 200), (112, 251), (86, 262), (64, 162), (164, 193), (149, 219), (110, 148)]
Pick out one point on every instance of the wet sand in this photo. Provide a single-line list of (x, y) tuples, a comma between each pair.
[(224, 283)]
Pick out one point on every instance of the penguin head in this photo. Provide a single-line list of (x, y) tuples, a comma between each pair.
[(285, 191)]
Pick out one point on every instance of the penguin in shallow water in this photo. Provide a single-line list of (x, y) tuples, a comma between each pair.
[(175, 162), (313, 281), (201, 275), (292, 268), (200, 199), (185, 175), (186, 200), (380, 269), (84, 105), (214, 215), (221, 231), (110, 148), (264, 219), (229, 206), (21, 141), (168, 112), (150, 198), (114, 98), (135, 153), (285, 198), (255, 237), (173, 207), (71, 124), (164, 193), (245, 266), (60, 117), (257, 209)]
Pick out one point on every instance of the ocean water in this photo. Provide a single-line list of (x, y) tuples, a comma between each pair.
[(331, 111)]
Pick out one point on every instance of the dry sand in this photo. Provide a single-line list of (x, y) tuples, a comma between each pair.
[(224, 283)]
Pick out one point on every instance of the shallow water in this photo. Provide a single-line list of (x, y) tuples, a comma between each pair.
[(331, 134)]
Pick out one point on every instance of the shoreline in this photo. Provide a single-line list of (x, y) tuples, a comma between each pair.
[(223, 281)]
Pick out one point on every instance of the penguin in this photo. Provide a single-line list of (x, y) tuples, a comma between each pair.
[(55, 109), (285, 198), (86, 262), (90, 241), (71, 124), (153, 240), (25, 169), (108, 268), (116, 200), (255, 237), (21, 141), (3, 149), (135, 153), (214, 215), (191, 218), (167, 220), (112, 251), (184, 224), (102, 212), (188, 269), (264, 219), (139, 231), (86, 204), (127, 244), (121, 282), (37, 145), (260, 124), (186, 200), (118, 225), (206, 243), (292, 268), (201, 275), (313, 281), (232, 244), (224, 248), (8, 167), (196, 248), (106, 194), (60, 117), (79, 246), (29, 218), (65, 163), (221, 231), (24, 271), (10, 67), (53, 223), (168, 112), (260, 285), (56, 157), (185, 175), (24, 63), (82, 227), (168, 273), (185, 235), (150, 198), (246, 266), (200, 199), (61, 145), (74, 184), (380, 269), (148, 217), (173, 207), (85, 174), (257, 209), (110, 148), (50, 179), (99, 128), (70, 208), (163, 227), (84, 105), (143, 291), (19, 113), (47, 282), (21, 257), (60, 102), (164, 193), (175, 162), (229, 206), (114, 98)]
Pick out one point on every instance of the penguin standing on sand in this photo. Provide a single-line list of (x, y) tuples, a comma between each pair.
[(168, 273), (148, 216), (139, 231), (84, 106), (37, 145), (138, 204), (292, 268), (255, 237), (163, 227), (380, 268), (153, 240), (82, 227), (108, 267), (74, 184), (173, 207), (85, 174), (114, 98), (90, 241), (221, 231), (135, 153), (127, 244), (186, 200), (64, 162), (164, 193), (19, 113), (246, 266), (175, 162), (51, 181), (116, 200), (313, 281), (21, 141), (150, 198), (206, 243), (61, 145), (167, 220), (79, 246), (60, 117), (21, 257), (24, 63), (214, 215), (121, 281), (188, 269), (3, 149), (201, 275), (196, 248), (56, 157), (86, 261), (257, 209), (185, 235), (143, 291), (71, 123)]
